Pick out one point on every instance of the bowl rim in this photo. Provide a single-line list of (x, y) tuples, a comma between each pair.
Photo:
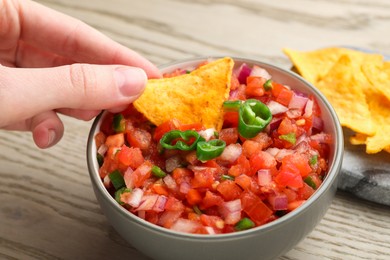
[(331, 177)]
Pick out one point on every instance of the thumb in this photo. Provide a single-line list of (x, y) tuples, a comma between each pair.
[(28, 92)]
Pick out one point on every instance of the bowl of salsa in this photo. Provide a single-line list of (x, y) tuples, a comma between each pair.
[(252, 189)]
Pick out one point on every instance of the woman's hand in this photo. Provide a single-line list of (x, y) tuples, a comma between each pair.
[(52, 63)]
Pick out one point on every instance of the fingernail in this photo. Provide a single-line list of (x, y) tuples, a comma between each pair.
[(131, 81), (51, 137)]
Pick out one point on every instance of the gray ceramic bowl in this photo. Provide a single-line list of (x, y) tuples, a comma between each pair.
[(265, 242)]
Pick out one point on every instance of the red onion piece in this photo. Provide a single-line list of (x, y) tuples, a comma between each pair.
[(243, 72), (318, 125), (278, 201), (160, 203), (297, 102), (231, 211)]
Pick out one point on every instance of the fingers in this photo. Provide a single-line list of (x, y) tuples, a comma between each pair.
[(73, 39), (47, 129), (79, 86)]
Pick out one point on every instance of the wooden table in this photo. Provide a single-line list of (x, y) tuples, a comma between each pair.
[(47, 207)]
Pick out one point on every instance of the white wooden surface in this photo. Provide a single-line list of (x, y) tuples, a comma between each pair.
[(47, 206)]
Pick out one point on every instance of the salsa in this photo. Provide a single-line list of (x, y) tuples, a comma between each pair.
[(269, 157)]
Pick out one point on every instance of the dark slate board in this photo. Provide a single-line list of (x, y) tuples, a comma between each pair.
[(367, 176)]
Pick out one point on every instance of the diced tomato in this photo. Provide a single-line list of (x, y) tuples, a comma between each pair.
[(250, 148), (300, 161), (229, 135), (174, 204), (290, 176), (244, 181), (254, 86), (287, 126), (194, 126), (229, 190), (160, 188), (230, 119), (139, 138), (116, 140), (211, 199), (285, 96), (169, 217), (252, 205), (212, 221), (294, 204), (130, 156), (193, 197), (141, 174), (182, 174), (262, 160), (100, 138), (203, 178), (305, 192), (242, 167), (164, 128), (106, 125)]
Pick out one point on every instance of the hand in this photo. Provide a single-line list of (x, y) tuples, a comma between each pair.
[(50, 64)]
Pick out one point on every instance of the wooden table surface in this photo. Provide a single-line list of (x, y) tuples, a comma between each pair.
[(47, 207)]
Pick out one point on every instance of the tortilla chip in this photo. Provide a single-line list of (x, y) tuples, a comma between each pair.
[(378, 74), (314, 65), (196, 97), (346, 94), (380, 110)]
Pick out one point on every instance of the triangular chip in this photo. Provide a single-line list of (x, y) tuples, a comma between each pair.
[(196, 97), (346, 94), (380, 109), (378, 74), (314, 65)]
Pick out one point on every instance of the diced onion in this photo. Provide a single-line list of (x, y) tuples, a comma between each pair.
[(147, 202), (231, 153), (185, 225), (207, 134), (264, 177), (260, 72), (297, 102), (102, 149), (308, 108), (134, 199), (276, 107), (128, 178), (231, 211), (172, 163), (170, 182)]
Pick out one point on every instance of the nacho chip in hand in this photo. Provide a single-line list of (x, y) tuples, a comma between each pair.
[(190, 98)]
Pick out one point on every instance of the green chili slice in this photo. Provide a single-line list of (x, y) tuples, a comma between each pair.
[(181, 140), (209, 150), (268, 85), (232, 105), (309, 181), (117, 179), (227, 177), (118, 123), (244, 223), (290, 137), (313, 160), (254, 116), (157, 172), (119, 192)]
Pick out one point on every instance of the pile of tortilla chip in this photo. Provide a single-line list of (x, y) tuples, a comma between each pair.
[(357, 84), (196, 97)]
